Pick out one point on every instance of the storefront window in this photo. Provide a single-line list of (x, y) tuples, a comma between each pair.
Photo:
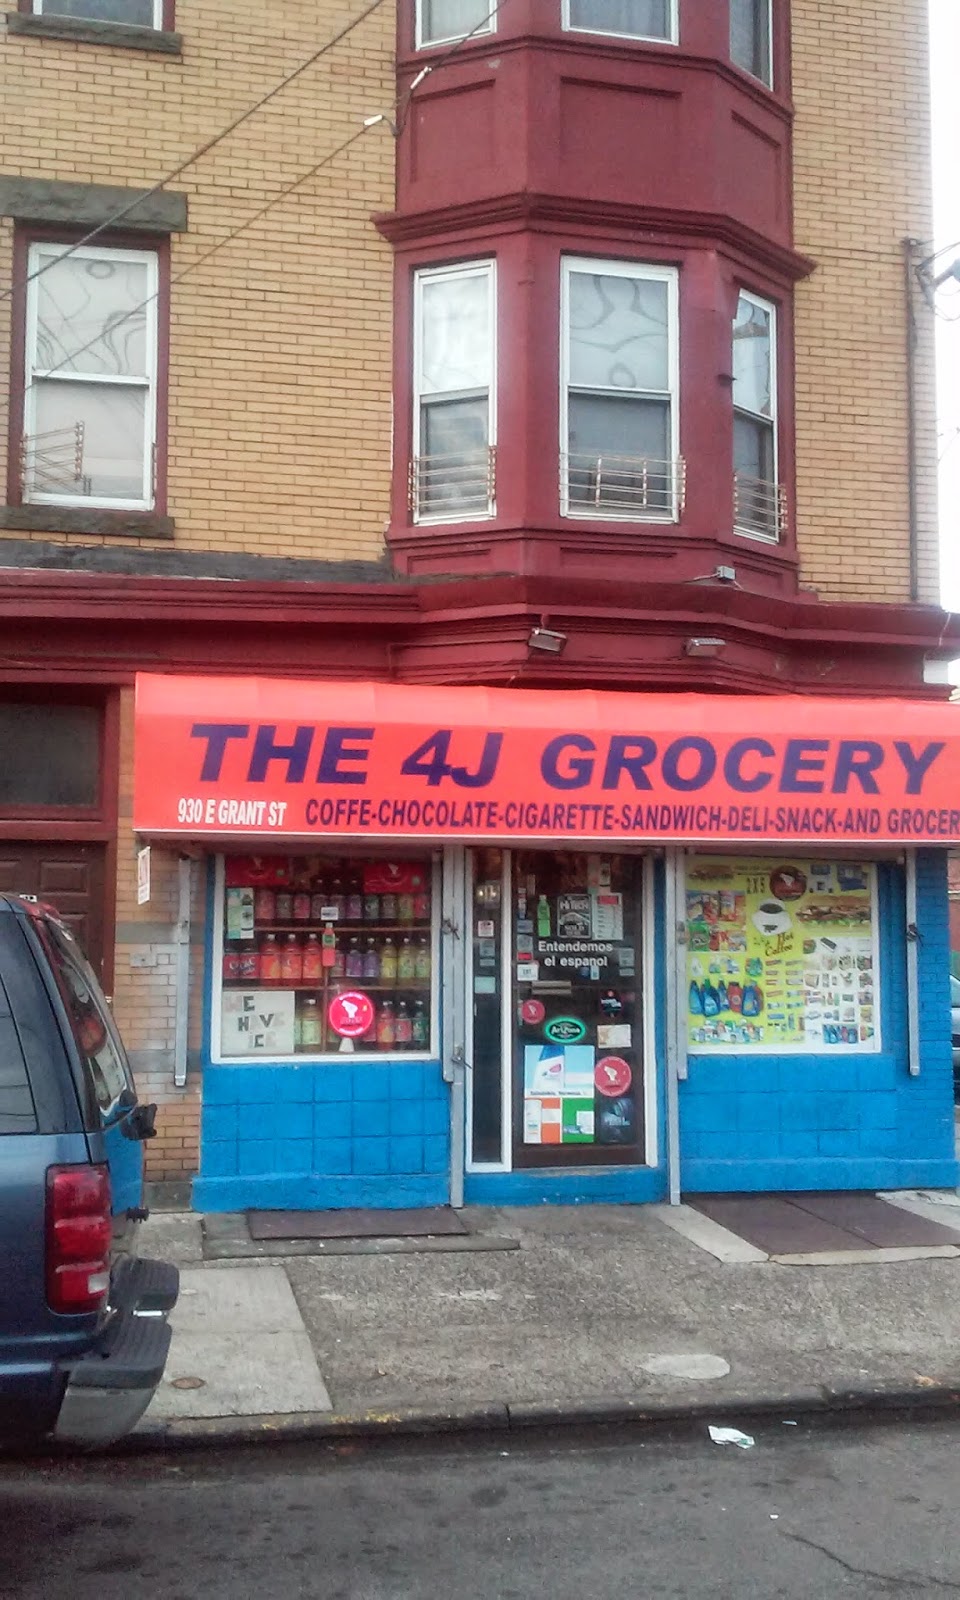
[(578, 1095), (323, 956), (781, 955)]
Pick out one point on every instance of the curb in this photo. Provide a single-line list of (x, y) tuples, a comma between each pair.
[(519, 1417)]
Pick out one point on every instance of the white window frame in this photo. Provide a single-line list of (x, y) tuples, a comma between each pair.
[(765, 77), (672, 37), (621, 269), (487, 268), (157, 24), (488, 26), (360, 1054), (773, 420), (38, 254)]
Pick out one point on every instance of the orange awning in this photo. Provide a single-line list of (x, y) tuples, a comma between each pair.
[(277, 759)]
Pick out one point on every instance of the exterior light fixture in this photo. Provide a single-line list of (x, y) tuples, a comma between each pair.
[(546, 639), (704, 647)]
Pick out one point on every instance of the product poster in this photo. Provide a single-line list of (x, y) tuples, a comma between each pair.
[(781, 955)]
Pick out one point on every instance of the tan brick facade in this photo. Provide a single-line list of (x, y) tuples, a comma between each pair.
[(280, 343), (861, 187)]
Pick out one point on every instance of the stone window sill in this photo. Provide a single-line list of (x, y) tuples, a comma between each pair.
[(78, 30), (80, 519)]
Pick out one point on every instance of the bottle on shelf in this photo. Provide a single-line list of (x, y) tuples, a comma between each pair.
[(371, 961), (265, 905), (386, 1026), (354, 905), (231, 963), (301, 906), (423, 960), (371, 908), (388, 907), (249, 963), (405, 904), (284, 906), (406, 960), (421, 906), (388, 962), (310, 1023), (338, 964), (318, 900), (543, 917), (421, 1026), (403, 1026), (354, 960), (337, 901), (312, 959), (269, 959), (291, 960)]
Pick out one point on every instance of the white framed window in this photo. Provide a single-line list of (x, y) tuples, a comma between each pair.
[(758, 497), (138, 13), (452, 477), (623, 19), (445, 21), (90, 400), (326, 958), (751, 38), (619, 422)]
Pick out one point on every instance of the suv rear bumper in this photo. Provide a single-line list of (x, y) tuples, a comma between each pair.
[(110, 1388)]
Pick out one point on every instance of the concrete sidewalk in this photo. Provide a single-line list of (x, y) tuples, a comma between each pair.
[(601, 1311)]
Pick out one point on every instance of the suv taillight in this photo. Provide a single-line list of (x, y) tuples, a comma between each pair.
[(79, 1232)]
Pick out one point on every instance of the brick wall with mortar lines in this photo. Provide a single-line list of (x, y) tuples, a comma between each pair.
[(281, 343), (144, 999), (861, 186)]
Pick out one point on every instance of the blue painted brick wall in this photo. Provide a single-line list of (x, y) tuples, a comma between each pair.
[(329, 1135), (801, 1122)]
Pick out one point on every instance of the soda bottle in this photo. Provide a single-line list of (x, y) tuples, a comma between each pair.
[(371, 961), (312, 959), (388, 962), (386, 1027), (339, 961), (291, 960), (421, 906), (354, 908), (405, 908), (404, 1027), (371, 908), (354, 961), (388, 907), (421, 1026), (406, 961), (269, 959), (422, 962), (310, 1024), (337, 901), (284, 906), (301, 906), (265, 905)]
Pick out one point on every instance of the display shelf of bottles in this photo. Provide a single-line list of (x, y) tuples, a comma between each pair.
[(354, 929), (333, 984)]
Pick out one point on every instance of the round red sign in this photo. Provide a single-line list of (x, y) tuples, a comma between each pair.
[(533, 1011), (612, 1076), (351, 1014)]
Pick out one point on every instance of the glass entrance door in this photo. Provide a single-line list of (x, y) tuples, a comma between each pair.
[(575, 972)]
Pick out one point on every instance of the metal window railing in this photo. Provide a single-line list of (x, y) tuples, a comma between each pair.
[(759, 506), (456, 485), (52, 462), (622, 486)]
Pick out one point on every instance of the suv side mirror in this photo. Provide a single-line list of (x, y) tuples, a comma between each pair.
[(142, 1122)]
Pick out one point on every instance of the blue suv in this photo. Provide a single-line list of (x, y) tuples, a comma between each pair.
[(83, 1331)]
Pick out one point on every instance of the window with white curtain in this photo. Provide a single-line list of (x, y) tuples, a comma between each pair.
[(626, 19), (619, 411), (452, 476), (90, 398), (141, 13), (440, 21), (758, 508), (751, 37)]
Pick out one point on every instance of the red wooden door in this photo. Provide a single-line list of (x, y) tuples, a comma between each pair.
[(68, 876)]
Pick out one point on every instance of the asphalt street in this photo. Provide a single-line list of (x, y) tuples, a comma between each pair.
[(807, 1512)]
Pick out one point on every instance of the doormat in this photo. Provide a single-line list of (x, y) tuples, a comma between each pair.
[(813, 1224), (356, 1224)]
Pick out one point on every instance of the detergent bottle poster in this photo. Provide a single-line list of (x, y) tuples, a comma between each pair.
[(781, 955)]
